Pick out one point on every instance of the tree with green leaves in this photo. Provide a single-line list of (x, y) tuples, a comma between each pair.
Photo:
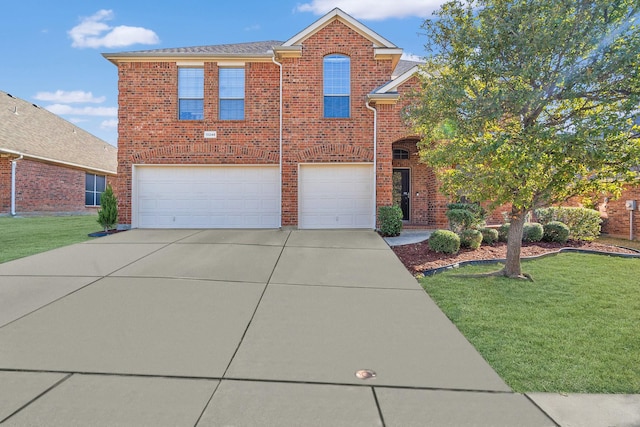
[(530, 102), (108, 212)]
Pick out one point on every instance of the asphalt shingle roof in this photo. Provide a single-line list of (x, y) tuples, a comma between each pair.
[(33, 131), (252, 48)]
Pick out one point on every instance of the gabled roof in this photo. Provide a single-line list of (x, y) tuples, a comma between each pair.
[(264, 50), (235, 50), (388, 92), (33, 132), (337, 14)]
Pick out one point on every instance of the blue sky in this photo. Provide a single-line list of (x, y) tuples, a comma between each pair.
[(52, 50)]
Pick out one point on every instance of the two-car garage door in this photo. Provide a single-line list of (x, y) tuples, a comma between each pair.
[(206, 197), (329, 196)]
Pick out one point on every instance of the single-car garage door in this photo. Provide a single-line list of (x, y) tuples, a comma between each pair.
[(335, 196), (206, 197)]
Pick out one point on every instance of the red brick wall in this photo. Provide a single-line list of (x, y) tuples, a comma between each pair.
[(309, 137), (5, 185), (616, 217), (42, 188), (150, 132)]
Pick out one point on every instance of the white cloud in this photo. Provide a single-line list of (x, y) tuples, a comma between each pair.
[(109, 124), (255, 27), (374, 9), (61, 110), (411, 57), (65, 97), (94, 32)]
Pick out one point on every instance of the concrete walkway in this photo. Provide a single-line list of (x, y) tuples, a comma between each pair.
[(233, 327)]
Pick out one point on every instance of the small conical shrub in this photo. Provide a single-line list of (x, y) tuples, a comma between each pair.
[(108, 212)]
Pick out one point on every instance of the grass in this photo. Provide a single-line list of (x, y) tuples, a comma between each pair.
[(574, 330), (21, 237)]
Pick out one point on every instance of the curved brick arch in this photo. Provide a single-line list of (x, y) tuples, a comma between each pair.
[(205, 153), (331, 152)]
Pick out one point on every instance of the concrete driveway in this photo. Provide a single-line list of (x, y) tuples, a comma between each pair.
[(236, 327)]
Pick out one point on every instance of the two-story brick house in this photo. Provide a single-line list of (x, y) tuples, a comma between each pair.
[(304, 133)]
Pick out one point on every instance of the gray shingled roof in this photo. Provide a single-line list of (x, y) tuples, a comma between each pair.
[(252, 48), (404, 66), (35, 132)]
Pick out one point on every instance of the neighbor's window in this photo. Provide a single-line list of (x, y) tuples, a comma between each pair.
[(94, 186), (337, 86), (400, 154), (191, 93), (231, 93)]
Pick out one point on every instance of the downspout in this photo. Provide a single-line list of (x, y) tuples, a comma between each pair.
[(375, 160), (273, 58), (14, 163)]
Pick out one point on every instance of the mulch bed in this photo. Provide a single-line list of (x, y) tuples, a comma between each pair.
[(418, 257)]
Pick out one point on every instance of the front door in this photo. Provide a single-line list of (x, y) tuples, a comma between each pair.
[(402, 191)]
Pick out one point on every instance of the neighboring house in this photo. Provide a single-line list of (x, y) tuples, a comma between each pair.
[(48, 165), (304, 133)]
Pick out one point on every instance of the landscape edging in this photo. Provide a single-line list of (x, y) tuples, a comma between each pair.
[(434, 271)]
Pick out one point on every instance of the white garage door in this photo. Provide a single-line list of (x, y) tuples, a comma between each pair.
[(336, 196), (206, 197)]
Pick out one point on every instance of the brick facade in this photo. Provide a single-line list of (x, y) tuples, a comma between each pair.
[(616, 217), (151, 133), (43, 188)]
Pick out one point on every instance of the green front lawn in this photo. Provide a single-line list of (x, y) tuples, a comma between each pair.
[(575, 329), (21, 237)]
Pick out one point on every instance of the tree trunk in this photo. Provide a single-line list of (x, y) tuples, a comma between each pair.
[(514, 244)]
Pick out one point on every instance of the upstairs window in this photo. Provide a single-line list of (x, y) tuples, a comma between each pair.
[(231, 93), (400, 154), (337, 86), (191, 93), (94, 186)]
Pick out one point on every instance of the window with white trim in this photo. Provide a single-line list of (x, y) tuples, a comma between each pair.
[(191, 93), (94, 186), (337, 86), (231, 85)]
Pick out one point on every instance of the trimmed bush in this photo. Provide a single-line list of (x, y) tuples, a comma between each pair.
[(489, 235), (444, 241), (470, 239), (460, 219), (555, 231), (463, 216), (583, 223), (503, 232), (532, 232), (390, 220)]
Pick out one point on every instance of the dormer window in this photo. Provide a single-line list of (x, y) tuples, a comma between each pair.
[(337, 86)]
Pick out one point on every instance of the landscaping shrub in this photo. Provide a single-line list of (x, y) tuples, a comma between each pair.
[(532, 232), (463, 216), (108, 212), (583, 223), (390, 220), (445, 241), (555, 231), (503, 232), (459, 219), (470, 239), (489, 235)]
